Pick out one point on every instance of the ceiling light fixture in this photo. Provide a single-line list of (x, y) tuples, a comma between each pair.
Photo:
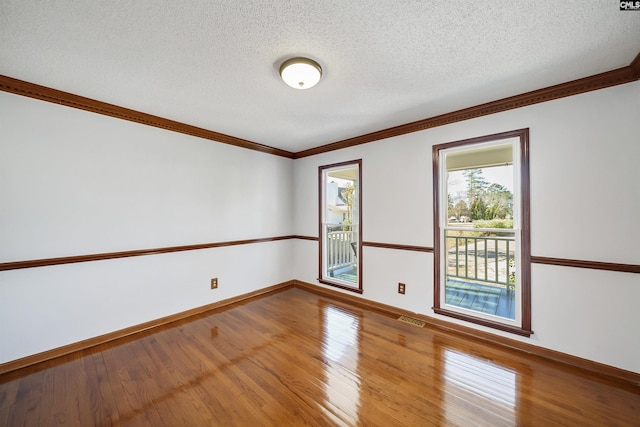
[(300, 73)]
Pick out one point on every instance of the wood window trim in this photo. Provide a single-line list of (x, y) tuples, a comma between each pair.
[(525, 210), (321, 279)]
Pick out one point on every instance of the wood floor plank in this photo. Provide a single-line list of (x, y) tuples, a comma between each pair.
[(293, 358)]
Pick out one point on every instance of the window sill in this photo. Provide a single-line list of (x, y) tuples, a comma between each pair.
[(340, 285), (488, 323)]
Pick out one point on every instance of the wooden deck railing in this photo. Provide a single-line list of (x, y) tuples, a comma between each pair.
[(490, 259)]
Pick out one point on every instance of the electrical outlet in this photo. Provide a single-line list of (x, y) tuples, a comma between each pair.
[(214, 283), (401, 288)]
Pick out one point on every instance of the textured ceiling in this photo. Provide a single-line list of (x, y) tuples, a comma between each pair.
[(213, 63)]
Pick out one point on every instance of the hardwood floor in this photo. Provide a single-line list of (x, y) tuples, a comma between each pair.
[(295, 358)]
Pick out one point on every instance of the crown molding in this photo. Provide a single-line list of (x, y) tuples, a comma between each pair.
[(43, 93), (599, 81)]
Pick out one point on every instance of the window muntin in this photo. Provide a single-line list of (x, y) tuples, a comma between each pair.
[(481, 248), (340, 225)]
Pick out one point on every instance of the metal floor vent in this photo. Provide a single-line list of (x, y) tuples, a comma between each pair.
[(412, 321)]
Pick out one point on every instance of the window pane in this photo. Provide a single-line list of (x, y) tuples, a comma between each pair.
[(482, 228), (481, 271), (340, 225), (481, 194), (480, 259)]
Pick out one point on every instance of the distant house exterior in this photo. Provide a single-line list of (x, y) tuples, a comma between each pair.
[(337, 209)]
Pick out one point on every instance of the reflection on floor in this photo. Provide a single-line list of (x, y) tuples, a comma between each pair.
[(299, 358)]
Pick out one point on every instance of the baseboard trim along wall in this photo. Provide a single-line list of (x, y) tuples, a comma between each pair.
[(136, 329), (589, 366)]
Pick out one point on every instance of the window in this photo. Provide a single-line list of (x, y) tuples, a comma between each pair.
[(340, 225), (481, 229)]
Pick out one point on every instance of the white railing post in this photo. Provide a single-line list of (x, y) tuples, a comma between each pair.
[(339, 251)]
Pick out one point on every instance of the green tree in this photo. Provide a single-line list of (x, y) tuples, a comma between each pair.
[(499, 201), (476, 184), (460, 209), (450, 212), (477, 209), (347, 196)]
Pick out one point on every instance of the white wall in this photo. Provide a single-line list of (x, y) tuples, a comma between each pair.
[(585, 202), (77, 183)]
